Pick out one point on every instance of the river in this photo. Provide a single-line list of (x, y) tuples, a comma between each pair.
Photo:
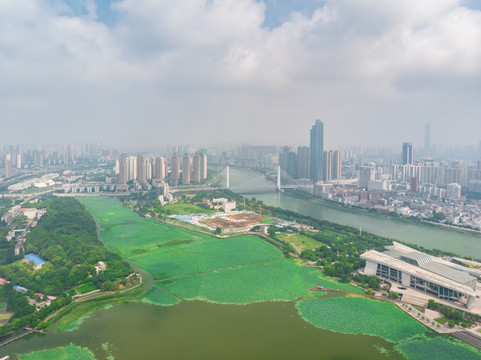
[(434, 237)]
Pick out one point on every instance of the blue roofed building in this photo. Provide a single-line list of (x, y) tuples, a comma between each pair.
[(37, 262)]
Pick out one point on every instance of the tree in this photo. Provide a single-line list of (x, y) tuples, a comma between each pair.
[(394, 295), (108, 286), (218, 230)]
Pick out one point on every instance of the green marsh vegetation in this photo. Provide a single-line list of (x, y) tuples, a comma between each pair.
[(438, 348), (360, 315), (70, 352)]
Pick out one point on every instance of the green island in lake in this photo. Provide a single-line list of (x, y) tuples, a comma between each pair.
[(233, 297)]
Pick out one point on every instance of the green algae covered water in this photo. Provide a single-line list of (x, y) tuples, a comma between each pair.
[(199, 330)]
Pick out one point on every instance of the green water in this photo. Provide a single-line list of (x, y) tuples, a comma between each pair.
[(197, 330), (244, 181)]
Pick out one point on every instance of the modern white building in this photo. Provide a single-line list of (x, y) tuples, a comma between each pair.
[(423, 272)]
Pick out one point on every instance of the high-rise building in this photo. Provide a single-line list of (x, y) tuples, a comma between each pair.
[(453, 191), (427, 139), (336, 165), (159, 168), (407, 155), (327, 165), (174, 170), (303, 162), (203, 158), (123, 170), (366, 174), (19, 161), (8, 165), (186, 169), (141, 169), (292, 164), (317, 151), (132, 161), (196, 169), (414, 184)]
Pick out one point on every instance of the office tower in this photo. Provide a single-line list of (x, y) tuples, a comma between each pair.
[(366, 174), (326, 165), (186, 169), (407, 155), (123, 170), (141, 169), (336, 165), (317, 151), (159, 168), (174, 170), (8, 165), (196, 169), (303, 162), (203, 158), (292, 164), (427, 139), (19, 161)]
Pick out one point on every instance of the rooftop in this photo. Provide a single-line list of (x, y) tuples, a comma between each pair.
[(417, 271), (35, 259)]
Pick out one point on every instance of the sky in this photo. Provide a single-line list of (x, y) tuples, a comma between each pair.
[(199, 72)]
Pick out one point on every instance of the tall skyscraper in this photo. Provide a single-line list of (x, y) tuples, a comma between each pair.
[(123, 170), (317, 151), (141, 169), (336, 165), (303, 162), (19, 161), (196, 169), (159, 168), (326, 165), (8, 165), (366, 174), (186, 169), (407, 155), (427, 139), (203, 158), (174, 170)]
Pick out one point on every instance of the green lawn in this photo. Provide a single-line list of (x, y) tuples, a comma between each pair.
[(299, 241), (85, 288), (418, 308), (5, 316), (440, 320), (360, 315), (185, 209)]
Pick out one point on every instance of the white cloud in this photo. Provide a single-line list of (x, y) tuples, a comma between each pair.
[(211, 67)]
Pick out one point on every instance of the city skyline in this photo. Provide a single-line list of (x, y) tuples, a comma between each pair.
[(131, 74)]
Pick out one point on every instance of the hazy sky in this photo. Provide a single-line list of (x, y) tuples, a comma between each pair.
[(192, 71)]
